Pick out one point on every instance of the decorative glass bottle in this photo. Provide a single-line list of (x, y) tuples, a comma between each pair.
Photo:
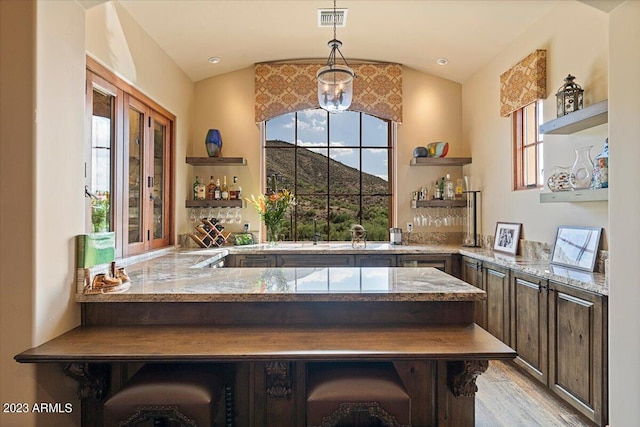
[(582, 170)]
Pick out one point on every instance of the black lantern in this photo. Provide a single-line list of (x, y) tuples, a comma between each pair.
[(569, 97)]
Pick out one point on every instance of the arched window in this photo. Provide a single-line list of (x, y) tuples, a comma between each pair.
[(339, 168)]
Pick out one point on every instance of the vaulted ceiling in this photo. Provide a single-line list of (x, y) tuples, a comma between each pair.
[(412, 32)]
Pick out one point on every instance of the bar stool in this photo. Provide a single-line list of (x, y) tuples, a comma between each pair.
[(171, 395), (365, 393)]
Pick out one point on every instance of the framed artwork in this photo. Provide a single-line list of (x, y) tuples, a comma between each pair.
[(576, 247), (507, 237)]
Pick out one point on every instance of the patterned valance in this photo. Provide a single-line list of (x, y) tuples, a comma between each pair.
[(283, 88), (524, 83)]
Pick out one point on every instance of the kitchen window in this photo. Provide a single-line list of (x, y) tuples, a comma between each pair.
[(339, 168), (128, 175), (528, 147)]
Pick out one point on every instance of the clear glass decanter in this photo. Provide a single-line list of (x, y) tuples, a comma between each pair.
[(582, 170)]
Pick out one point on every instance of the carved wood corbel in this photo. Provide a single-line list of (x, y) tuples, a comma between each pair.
[(278, 379), (462, 375), (92, 379)]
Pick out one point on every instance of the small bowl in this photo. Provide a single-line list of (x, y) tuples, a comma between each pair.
[(420, 152)]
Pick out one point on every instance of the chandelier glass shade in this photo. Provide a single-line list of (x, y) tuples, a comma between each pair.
[(335, 82)]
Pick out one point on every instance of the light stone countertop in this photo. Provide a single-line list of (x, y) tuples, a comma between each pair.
[(177, 278), (184, 276), (593, 282)]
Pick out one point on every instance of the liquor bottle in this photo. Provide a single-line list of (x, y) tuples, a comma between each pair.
[(436, 190), (217, 192), (441, 187), (202, 191), (224, 190), (195, 188), (233, 189), (448, 188), (210, 189), (459, 189)]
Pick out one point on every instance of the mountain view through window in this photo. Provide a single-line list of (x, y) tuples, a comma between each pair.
[(339, 168)]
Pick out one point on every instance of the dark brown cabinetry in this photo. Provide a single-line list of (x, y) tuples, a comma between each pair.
[(493, 313), (529, 323), (472, 274), (578, 349), (558, 331), (495, 280), (253, 260), (376, 260), (338, 260), (439, 261)]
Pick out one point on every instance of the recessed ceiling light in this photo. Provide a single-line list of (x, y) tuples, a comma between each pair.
[(214, 60), (442, 61)]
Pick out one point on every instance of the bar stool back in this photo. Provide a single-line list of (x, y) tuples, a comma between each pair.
[(171, 395), (356, 394)]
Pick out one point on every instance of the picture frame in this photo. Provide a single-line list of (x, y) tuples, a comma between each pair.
[(507, 237), (576, 247)]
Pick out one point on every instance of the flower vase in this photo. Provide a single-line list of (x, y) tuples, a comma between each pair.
[(582, 170), (273, 233), (213, 143)]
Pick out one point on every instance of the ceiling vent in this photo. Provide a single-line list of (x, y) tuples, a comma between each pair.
[(325, 17)]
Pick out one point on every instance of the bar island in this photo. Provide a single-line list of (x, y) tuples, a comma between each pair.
[(268, 325)]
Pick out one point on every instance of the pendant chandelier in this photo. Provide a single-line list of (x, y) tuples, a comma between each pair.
[(335, 82)]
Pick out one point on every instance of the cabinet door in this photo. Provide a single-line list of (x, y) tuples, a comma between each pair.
[(577, 349), (496, 284), (441, 262), (529, 323), (471, 274), (375, 260), (316, 260), (251, 260)]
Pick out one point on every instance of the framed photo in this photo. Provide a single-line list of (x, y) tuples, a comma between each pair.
[(576, 247), (507, 237)]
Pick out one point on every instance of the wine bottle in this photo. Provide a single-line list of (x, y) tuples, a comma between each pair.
[(202, 191), (224, 190), (217, 192), (210, 189), (196, 185), (233, 189)]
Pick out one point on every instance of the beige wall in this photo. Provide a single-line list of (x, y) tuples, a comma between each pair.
[(44, 141), (624, 208), (581, 50), (119, 43), (42, 173), (432, 112), (17, 146)]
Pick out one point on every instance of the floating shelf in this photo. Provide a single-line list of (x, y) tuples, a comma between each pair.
[(435, 203), (585, 118), (214, 203), (216, 161), (575, 196), (440, 161)]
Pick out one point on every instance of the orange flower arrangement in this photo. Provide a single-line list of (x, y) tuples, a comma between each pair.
[(272, 208)]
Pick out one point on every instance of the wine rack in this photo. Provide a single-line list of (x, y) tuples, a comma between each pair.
[(209, 234)]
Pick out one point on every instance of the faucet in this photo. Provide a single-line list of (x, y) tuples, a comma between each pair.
[(316, 235)]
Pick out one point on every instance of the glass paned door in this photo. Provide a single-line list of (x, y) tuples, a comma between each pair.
[(135, 176), (157, 190), (102, 137)]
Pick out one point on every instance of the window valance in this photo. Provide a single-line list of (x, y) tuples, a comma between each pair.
[(524, 83), (286, 87)]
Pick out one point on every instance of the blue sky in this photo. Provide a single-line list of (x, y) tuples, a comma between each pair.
[(340, 141)]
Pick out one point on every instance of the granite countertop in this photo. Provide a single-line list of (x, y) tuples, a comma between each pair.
[(593, 282), (183, 277), (342, 248)]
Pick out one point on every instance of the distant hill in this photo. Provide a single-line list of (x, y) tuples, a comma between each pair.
[(313, 169)]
